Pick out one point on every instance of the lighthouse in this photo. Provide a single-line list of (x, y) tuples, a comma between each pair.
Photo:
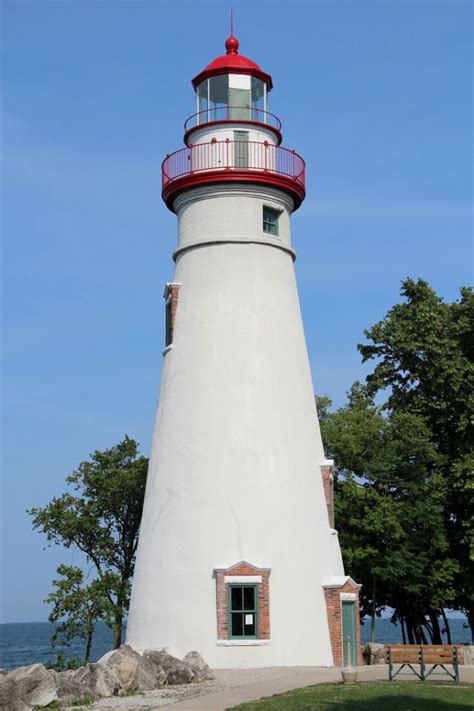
[(238, 556)]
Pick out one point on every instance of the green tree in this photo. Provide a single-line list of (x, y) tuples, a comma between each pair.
[(77, 607), (424, 364), (389, 511), (101, 517)]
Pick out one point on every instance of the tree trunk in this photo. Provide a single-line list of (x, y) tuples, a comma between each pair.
[(118, 629), (402, 625), (436, 634), (411, 637), (446, 626), (373, 615), (90, 632)]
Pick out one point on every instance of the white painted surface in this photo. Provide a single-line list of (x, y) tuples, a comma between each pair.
[(242, 579), (226, 213), (233, 471), (221, 132), (239, 81)]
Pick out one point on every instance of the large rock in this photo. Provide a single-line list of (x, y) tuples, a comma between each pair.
[(98, 679), (177, 672), (373, 653), (199, 666), (134, 671), (26, 687), (69, 688)]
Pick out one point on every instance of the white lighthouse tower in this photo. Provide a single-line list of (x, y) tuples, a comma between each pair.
[(237, 555)]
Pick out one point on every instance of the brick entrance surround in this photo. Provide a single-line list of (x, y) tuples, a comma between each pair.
[(335, 592)]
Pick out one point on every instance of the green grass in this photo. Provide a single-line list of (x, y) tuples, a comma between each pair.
[(83, 701), (371, 696)]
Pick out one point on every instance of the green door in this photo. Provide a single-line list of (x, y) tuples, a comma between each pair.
[(349, 633), (241, 149), (239, 104)]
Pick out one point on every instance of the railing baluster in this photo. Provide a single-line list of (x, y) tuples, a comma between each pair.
[(254, 155)]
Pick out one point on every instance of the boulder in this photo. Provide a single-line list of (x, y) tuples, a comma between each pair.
[(69, 688), (133, 670), (177, 672), (98, 679), (199, 666), (25, 687), (373, 653)]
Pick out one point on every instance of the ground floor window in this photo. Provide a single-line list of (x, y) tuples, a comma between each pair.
[(243, 611), (242, 603)]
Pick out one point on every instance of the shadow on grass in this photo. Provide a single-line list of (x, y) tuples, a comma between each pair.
[(401, 702)]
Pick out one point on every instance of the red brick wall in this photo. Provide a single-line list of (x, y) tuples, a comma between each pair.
[(326, 473), (263, 599), (171, 296), (334, 612)]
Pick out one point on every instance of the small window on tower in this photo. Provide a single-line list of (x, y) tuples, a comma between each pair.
[(168, 323), (270, 220)]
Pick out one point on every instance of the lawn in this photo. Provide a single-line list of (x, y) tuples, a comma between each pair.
[(371, 696)]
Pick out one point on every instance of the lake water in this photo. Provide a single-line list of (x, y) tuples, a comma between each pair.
[(30, 642)]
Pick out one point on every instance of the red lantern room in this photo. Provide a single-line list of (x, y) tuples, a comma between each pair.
[(233, 137)]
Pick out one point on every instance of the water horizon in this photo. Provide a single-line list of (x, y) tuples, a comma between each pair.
[(24, 643)]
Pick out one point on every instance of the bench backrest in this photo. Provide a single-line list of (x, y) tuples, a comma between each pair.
[(428, 653)]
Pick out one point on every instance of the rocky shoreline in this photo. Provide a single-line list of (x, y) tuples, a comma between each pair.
[(119, 673)]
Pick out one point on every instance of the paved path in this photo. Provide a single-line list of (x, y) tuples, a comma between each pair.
[(290, 679)]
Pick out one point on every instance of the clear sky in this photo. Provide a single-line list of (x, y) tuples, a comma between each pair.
[(375, 95)]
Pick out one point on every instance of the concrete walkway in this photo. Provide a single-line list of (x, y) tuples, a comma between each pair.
[(289, 680)]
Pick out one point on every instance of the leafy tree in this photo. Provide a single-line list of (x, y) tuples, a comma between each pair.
[(390, 510), (424, 364), (101, 517), (77, 607)]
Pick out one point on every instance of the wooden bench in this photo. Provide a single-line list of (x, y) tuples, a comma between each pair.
[(434, 655)]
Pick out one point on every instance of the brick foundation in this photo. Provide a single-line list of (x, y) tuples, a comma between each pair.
[(243, 569)]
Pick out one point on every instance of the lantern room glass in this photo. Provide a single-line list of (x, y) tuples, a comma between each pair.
[(216, 100)]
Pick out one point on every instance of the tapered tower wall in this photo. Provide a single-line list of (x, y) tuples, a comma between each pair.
[(234, 472)]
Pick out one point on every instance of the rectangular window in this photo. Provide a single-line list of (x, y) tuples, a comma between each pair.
[(270, 220), (243, 611), (168, 323)]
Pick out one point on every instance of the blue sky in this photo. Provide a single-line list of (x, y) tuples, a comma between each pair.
[(375, 95)]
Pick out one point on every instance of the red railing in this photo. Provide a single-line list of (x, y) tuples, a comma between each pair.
[(233, 155), (233, 113)]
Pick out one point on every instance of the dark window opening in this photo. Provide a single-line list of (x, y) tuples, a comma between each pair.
[(270, 220), (243, 612), (168, 323)]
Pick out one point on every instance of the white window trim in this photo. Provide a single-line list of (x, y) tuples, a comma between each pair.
[(242, 579), (348, 596)]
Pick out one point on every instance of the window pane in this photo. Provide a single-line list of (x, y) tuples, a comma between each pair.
[(249, 598), (237, 624), (239, 102), (249, 625), (257, 100), (236, 598), (202, 101), (270, 221), (219, 93)]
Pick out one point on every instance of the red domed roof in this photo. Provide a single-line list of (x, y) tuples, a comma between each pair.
[(232, 63)]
